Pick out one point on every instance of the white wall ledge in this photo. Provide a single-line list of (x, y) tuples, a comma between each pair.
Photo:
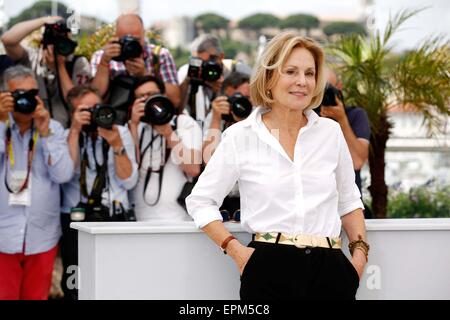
[(189, 226)]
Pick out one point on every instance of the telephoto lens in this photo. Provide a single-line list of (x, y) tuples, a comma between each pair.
[(25, 100), (241, 107), (159, 110)]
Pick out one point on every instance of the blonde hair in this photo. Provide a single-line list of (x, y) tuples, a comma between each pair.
[(273, 59)]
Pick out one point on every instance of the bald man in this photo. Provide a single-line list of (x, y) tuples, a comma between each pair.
[(355, 125), (104, 68)]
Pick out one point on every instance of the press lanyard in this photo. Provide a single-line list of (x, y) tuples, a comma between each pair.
[(10, 156)]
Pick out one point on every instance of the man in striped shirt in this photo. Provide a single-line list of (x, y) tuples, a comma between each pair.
[(104, 68)]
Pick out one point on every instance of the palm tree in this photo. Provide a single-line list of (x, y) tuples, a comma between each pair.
[(376, 80)]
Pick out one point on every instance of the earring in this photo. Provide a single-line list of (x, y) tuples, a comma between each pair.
[(269, 94)]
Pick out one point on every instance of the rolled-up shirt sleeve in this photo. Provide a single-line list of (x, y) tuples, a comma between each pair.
[(214, 184), (348, 192), (56, 153)]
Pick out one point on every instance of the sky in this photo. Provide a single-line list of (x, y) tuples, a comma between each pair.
[(435, 20)]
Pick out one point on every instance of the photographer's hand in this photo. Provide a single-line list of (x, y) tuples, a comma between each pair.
[(220, 106), (111, 50), (137, 111), (6, 105), (41, 118), (51, 19), (111, 136), (80, 118), (166, 131), (334, 112), (136, 67), (122, 163)]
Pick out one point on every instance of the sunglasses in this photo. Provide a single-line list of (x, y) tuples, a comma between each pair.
[(234, 217)]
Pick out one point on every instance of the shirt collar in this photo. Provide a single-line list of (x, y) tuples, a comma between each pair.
[(255, 118), (254, 121)]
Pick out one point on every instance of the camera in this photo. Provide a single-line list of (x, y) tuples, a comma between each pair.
[(102, 115), (57, 35), (241, 107), (330, 94), (200, 71), (25, 100), (89, 213), (159, 110), (129, 48)]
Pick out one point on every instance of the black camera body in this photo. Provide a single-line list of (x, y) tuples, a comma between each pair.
[(240, 106), (130, 48), (159, 110), (102, 115), (330, 94), (57, 35), (200, 71), (25, 100), (99, 213)]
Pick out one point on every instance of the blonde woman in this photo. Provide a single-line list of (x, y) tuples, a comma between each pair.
[(296, 182)]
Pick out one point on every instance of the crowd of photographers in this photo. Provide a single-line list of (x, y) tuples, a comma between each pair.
[(120, 138)]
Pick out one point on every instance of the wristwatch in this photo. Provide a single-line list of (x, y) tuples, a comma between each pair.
[(119, 151)]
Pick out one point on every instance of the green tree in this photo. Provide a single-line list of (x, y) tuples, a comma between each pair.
[(344, 27), (39, 9), (232, 48), (210, 21), (180, 56), (258, 21), (300, 21), (421, 78)]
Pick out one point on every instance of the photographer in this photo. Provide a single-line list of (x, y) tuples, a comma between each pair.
[(34, 160), (199, 88), (103, 157), (168, 149), (55, 66), (355, 125), (147, 59), (222, 115)]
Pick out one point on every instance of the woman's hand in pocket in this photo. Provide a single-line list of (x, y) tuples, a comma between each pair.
[(240, 254), (359, 262)]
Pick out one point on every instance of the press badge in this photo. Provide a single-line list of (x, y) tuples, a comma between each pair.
[(16, 181)]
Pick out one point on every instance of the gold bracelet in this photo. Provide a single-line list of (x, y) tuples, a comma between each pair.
[(359, 244)]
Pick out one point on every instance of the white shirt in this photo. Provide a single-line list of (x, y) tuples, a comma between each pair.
[(305, 196), (116, 188), (167, 208)]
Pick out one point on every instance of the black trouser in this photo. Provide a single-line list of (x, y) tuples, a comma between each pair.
[(283, 272), (69, 257)]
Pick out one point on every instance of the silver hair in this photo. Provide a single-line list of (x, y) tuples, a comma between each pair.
[(205, 41), (16, 72)]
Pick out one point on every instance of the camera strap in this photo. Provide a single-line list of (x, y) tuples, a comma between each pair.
[(150, 170), (100, 180), (10, 156)]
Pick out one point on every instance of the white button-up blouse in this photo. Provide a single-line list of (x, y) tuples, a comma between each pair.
[(306, 196)]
